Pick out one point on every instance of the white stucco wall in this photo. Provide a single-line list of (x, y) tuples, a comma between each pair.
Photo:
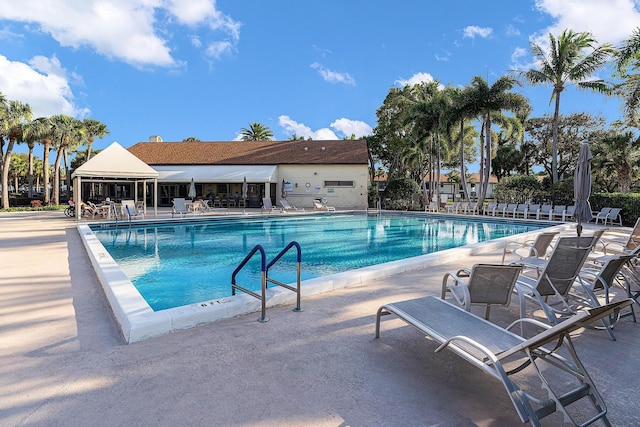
[(315, 176)]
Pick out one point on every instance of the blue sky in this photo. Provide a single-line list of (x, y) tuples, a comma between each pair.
[(319, 69)]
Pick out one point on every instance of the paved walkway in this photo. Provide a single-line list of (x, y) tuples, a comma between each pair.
[(64, 363)]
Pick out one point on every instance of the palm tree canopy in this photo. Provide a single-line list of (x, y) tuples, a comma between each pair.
[(256, 132), (565, 62)]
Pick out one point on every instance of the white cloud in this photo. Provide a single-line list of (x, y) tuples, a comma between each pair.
[(517, 56), (345, 127), (43, 84), (123, 29), (472, 31), (293, 127), (609, 21), (333, 76), (443, 57), (352, 127), (511, 30), (417, 79)]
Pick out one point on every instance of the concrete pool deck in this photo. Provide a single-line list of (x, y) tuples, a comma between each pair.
[(65, 362)]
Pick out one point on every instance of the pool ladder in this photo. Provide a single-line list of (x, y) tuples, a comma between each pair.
[(265, 277)]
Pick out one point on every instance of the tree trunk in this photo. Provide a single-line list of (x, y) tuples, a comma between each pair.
[(463, 178), (554, 147), (6, 160), (56, 177), (30, 171), (45, 170)]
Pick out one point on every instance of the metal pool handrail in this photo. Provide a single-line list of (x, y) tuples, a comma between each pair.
[(264, 279), (298, 265)]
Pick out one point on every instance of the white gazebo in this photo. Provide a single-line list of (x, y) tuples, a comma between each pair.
[(115, 163)]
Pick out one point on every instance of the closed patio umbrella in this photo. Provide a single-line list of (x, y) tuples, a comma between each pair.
[(192, 190), (245, 189), (582, 187), (284, 190)]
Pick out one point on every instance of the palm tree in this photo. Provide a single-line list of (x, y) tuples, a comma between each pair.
[(485, 100), (256, 132), (566, 62), (67, 132), (628, 63), (13, 116), (615, 156), (93, 129), (42, 130)]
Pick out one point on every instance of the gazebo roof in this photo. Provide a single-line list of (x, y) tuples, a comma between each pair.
[(115, 161)]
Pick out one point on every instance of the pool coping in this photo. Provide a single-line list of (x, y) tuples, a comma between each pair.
[(137, 321)]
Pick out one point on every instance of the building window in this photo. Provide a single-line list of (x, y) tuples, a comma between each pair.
[(338, 183)]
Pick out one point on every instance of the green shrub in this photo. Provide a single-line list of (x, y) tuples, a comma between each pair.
[(517, 189), (401, 194)]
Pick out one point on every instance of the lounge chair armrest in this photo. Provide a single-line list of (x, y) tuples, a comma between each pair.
[(528, 320), (457, 281), (472, 343)]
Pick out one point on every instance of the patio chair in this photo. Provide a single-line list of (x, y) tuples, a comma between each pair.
[(530, 248), (289, 208), (432, 207), (544, 212), (472, 209), (555, 278), (595, 281), (622, 245), (521, 210), (490, 209), (503, 354), (602, 215), (129, 210), (558, 213), (180, 208), (267, 206), (614, 217), (485, 284), (500, 209), (203, 207), (510, 210), (321, 206), (568, 213), (454, 208), (533, 211)]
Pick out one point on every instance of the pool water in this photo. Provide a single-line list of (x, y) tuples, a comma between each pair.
[(183, 263)]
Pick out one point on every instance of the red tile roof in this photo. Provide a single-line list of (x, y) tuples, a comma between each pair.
[(252, 152)]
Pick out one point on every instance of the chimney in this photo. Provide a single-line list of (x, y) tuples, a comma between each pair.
[(155, 138)]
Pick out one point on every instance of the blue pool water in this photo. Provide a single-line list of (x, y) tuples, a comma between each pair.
[(183, 263)]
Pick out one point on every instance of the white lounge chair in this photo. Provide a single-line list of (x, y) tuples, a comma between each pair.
[(530, 248), (319, 206), (180, 208), (203, 207), (492, 348), (288, 207), (484, 284), (544, 212), (129, 210), (268, 206), (602, 215)]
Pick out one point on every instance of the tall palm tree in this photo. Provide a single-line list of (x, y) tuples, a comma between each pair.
[(67, 132), (93, 129), (256, 132), (572, 58), (42, 130), (485, 100), (628, 64), (12, 127)]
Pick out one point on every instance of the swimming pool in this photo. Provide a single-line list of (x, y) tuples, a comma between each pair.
[(361, 247)]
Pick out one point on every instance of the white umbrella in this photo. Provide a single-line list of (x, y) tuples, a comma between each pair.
[(582, 187), (192, 190), (245, 188)]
